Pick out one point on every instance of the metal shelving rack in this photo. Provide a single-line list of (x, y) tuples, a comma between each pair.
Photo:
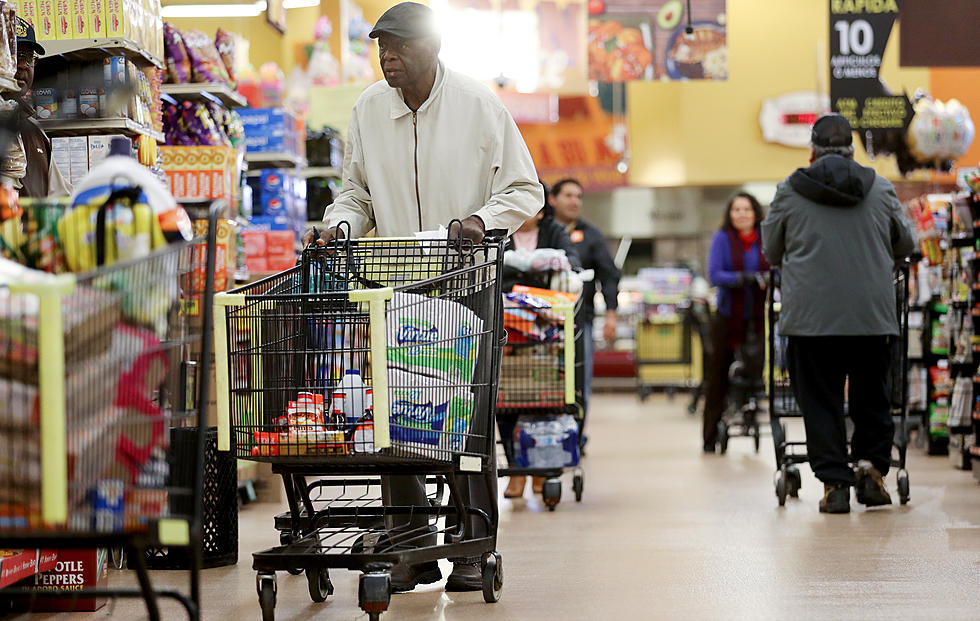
[(218, 93), (90, 127), (95, 49)]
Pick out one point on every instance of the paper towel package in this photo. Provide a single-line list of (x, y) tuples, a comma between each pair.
[(432, 337), (427, 413)]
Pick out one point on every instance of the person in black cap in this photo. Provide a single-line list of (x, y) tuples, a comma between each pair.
[(42, 178), (429, 147), (835, 230)]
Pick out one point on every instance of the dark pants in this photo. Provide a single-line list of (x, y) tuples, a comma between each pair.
[(819, 367), (720, 360)]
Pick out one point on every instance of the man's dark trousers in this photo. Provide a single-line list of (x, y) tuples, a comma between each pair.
[(819, 367)]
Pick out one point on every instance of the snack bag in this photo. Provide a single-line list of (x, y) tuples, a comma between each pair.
[(206, 63), (225, 43), (178, 61)]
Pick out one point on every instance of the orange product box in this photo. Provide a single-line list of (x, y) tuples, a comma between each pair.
[(47, 20), (80, 21), (95, 11), (257, 265), (254, 242), (280, 263), (28, 10), (64, 19), (280, 243)]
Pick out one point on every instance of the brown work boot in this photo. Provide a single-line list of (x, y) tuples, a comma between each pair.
[(836, 498), (870, 487), (515, 487), (537, 484)]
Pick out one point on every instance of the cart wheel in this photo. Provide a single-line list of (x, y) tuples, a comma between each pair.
[(267, 596), (285, 538), (552, 493), (781, 487), (756, 436), (318, 581), (903, 487), (374, 593), (671, 393), (118, 558), (578, 484), (722, 437), (643, 392), (493, 577), (794, 481)]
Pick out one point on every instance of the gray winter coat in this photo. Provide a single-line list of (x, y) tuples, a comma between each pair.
[(836, 230)]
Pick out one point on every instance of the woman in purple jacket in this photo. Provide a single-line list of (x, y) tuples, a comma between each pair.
[(736, 267)]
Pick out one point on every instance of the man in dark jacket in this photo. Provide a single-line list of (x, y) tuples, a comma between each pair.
[(836, 230), (566, 200)]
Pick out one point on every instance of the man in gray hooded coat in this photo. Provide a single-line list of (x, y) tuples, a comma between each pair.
[(836, 231)]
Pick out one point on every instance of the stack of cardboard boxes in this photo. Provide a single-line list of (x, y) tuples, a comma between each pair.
[(75, 156), (139, 21), (202, 173), (273, 130)]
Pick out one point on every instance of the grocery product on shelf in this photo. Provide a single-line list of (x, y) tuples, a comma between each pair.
[(273, 130)]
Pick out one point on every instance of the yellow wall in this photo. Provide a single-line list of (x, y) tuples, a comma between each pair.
[(707, 133)]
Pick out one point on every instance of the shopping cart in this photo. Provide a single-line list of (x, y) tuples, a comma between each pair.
[(783, 405), (373, 357), (94, 369), (537, 396), (744, 403), (668, 351)]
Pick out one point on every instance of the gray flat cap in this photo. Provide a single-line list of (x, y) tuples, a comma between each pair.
[(408, 20)]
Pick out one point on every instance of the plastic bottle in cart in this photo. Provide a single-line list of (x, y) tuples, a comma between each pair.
[(363, 437), (338, 420), (355, 400)]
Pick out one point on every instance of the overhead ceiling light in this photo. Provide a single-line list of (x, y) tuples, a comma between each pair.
[(214, 10), (299, 4)]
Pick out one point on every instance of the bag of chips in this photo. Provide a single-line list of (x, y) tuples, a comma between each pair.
[(225, 42), (206, 63), (178, 62)]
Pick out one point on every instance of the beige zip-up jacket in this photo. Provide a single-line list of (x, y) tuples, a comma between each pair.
[(459, 155)]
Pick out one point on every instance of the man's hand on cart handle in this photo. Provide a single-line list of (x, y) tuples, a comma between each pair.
[(326, 235), (473, 229), (609, 327)]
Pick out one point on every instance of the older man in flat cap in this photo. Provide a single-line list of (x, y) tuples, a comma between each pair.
[(836, 230), (426, 146)]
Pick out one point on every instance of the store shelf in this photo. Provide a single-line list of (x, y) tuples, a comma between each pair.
[(273, 160), (319, 171), (219, 93), (94, 49), (89, 127)]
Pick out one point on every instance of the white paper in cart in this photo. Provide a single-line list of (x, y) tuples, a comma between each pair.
[(428, 417), (432, 336)]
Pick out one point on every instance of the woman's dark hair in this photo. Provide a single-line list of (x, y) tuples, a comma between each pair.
[(549, 211), (726, 223)]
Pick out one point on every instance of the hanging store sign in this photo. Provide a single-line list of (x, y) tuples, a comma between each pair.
[(648, 40), (859, 33), (577, 146)]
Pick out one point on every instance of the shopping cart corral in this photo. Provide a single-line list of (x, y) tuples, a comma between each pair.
[(94, 369), (538, 400), (372, 358), (784, 407)]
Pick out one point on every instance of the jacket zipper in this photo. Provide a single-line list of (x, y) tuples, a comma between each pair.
[(418, 199)]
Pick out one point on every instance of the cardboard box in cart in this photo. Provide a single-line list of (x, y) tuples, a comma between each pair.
[(74, 570)]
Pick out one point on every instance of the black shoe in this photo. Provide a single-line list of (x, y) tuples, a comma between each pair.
[(465, 577), (709, 448), (836, 498), (870, 487), (407, 577)]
